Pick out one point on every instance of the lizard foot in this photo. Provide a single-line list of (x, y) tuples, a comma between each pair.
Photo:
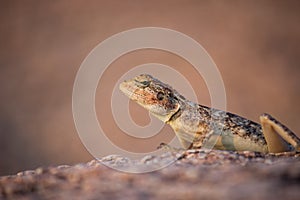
[(167, 147)]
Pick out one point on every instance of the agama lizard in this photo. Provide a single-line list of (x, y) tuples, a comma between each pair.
[(199, 126)]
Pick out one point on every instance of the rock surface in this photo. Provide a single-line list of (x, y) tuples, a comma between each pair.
[(196, 174)]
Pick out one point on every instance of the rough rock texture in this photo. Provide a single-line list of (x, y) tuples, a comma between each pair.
[(195, 175)]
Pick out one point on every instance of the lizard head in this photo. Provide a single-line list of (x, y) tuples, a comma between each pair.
[(158, 98)]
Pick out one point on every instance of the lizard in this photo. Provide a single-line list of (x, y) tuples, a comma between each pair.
[(198, 126)]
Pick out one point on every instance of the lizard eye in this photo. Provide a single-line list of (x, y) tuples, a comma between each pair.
[(160, 96)]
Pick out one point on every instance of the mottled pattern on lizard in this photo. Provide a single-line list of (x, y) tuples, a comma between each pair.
[(199, 126)]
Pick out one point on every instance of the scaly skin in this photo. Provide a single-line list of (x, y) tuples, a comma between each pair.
[(199, 126)]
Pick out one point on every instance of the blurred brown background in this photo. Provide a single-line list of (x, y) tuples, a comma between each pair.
[(255, 44)]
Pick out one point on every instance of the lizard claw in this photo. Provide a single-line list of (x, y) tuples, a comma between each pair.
[(163, 146)]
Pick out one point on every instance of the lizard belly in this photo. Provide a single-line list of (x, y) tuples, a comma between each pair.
[(233, 142)]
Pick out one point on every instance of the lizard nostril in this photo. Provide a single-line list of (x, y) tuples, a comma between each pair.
[(146, 83)]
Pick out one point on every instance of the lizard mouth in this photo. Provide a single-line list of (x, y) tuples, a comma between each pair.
[(127, 89)]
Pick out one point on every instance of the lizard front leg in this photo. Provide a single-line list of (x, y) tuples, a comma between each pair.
[(279, 138)]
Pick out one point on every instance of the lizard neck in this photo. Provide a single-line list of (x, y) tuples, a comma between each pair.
[(175, 115), (178, 113)]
